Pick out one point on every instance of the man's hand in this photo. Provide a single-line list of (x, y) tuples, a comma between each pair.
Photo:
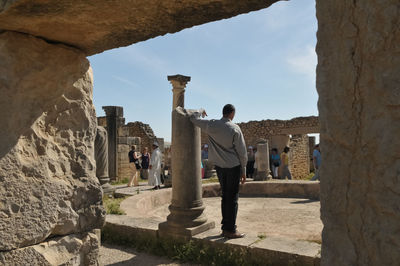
[(204, 114), (243, 179), (150, 166)]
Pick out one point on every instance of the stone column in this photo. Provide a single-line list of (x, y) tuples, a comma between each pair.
[(178, 83), (178, 89), (359, 107), (186, 217), (101, 157), (262, 159), (113, 115)]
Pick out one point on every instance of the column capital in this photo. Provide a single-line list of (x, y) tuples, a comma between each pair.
[(178, 89), (117, 111), (180, 78), (178, 81)]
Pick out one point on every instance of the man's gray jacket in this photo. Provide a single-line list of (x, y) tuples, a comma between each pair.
[(227, 148)]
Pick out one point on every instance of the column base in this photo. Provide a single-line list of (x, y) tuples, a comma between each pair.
[(108, 189), (165, 229)]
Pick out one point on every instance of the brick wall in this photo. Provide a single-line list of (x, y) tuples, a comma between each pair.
[(141, 130), (299, 156)]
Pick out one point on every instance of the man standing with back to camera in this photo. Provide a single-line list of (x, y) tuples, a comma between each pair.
[(227, 151)]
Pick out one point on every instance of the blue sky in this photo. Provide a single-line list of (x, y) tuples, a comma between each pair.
[(262, 62)]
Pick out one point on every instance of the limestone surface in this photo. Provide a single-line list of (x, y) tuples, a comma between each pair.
[(359, 106), (48, 185), (95, 26), (78, 249)]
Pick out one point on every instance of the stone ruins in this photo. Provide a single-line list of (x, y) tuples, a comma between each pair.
[(50, 204), (133, 133), (281, 133)]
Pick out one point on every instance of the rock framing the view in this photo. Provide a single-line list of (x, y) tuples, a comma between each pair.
[(48, 184), (359, 103), (47, 170), (77, 23)]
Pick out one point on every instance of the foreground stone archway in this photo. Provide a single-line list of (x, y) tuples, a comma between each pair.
[(47, 137)]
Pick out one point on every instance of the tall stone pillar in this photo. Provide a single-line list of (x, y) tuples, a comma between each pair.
[(186, 216), (178, 89), (262, 159), (359, 107), (178, 83), (113, 117), (101, 157)]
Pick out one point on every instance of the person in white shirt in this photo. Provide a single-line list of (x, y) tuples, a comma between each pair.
[(155, 167)]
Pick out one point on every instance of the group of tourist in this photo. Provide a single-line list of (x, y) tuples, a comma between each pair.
[(149, 166), (227, 152), (282, 161), (276, 161)]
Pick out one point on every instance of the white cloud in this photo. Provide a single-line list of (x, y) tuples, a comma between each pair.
[(126, 81), (303, 61), (143, 57)]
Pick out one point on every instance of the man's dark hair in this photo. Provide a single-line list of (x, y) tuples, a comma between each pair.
[(286, 149), (229, 108)]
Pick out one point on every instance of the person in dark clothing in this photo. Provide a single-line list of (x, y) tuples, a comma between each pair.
[(250, 162), (227, 151), (133, 161), (145, 163)]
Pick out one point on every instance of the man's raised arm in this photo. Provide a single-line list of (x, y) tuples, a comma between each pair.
[(197, 121)]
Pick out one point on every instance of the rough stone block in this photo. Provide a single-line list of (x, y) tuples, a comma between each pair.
[(122, 22), (77, 249), (359, 105), (48, 184)]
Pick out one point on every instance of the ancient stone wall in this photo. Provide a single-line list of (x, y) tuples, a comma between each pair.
[(141, 130), (134, 133), (254, 130), (268, 129), (102, 121), (359, 104), (123, 159), (50, 197), (299, 156)]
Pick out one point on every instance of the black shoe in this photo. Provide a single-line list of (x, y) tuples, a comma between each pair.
[(155, 187)]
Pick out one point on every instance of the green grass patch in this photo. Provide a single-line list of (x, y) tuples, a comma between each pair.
[(120, 182), (112, 205), (210, 180), (308, 177), (261, 236)]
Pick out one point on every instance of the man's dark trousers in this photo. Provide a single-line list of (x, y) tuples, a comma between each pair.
[(229, 179)]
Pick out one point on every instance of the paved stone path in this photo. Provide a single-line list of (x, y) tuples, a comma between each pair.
[(123, 256), (143, 187)]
